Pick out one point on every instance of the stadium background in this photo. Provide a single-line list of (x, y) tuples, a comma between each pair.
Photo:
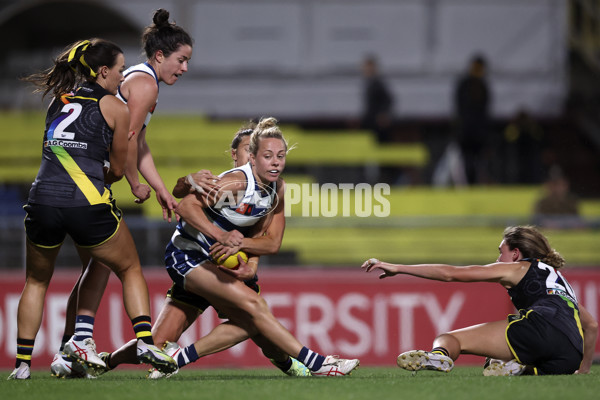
[(299, 60)]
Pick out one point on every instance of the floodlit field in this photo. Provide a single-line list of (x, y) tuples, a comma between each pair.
[(268, 384)]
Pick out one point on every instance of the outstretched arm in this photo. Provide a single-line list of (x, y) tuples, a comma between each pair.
[(507, 274)]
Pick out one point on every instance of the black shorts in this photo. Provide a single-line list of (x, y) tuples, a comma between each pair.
[(536, 342), (179, 294), (88, 226)]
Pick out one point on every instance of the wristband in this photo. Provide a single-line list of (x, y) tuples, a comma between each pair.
[(193, 184)]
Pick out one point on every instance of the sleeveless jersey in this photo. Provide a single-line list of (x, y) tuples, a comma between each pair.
[(146, 69), (76, 140), (252, 205), (547, 292)]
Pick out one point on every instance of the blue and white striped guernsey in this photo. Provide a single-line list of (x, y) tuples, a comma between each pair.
[(147, 69), (189, 247)]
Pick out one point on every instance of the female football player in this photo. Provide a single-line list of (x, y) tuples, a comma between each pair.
[(551, 334), (69, 195), (182, 308), (168, 49), (246, 195), (191, 253)]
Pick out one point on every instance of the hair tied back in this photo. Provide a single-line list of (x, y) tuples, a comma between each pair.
[(80, 47)]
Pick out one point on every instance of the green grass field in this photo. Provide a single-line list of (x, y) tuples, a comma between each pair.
[(268, 384)]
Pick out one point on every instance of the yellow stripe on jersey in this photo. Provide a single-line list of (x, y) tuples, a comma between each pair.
[(82, 98), (80, 178), (575, 314)]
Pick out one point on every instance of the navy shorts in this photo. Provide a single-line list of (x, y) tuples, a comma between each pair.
[(538, 343), (88, 226), (180, 295), (177, 293)]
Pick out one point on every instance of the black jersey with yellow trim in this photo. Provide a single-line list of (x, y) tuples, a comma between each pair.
[(545, 290), (76, 140)]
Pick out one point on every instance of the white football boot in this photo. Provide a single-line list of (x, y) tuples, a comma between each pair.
[(21, 372), (172, 349), (335, 366), (416, 360)]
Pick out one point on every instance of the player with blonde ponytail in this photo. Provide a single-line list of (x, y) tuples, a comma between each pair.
[(206, 219)]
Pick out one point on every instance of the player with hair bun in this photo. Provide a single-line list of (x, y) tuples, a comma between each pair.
[(69, 195), (551, 334), (168, 49)]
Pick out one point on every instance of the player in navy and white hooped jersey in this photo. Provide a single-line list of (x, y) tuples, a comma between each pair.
[(181, 308), (190, 247), (144, 68), (188, 261)]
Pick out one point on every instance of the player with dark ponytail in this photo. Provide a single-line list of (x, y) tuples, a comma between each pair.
[(70, 195), (168, 48)]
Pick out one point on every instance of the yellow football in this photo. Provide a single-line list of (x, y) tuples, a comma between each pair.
[(232, 262)]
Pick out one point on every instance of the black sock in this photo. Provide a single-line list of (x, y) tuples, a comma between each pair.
[(440, 350), (143, 328), (64, 341), (24, 350), (285, 365)]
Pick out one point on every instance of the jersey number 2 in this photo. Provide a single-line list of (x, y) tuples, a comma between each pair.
[(552, 281), (73, 110)]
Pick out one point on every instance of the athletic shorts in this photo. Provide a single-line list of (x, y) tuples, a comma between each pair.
[(88, 226), (534, 341), (179, 294)]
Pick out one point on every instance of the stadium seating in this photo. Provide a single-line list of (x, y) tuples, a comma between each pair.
[(424, 223)]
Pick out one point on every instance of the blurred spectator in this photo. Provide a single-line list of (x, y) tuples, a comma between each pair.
[(558, 207), (472, 103), (450, 169), (377, 101), (523, 139)]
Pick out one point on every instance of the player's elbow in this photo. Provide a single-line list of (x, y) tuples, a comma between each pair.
[(117, 171), (182, 209), (590, 326), (447, 275), (273, 248), (181, 189)]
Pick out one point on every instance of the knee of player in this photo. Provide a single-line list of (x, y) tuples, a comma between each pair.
[(448, 342), (39, 278), (122, 269), (257, 305), (252, 307)]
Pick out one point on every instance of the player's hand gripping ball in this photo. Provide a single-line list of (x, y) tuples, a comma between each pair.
[(232, 262)]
